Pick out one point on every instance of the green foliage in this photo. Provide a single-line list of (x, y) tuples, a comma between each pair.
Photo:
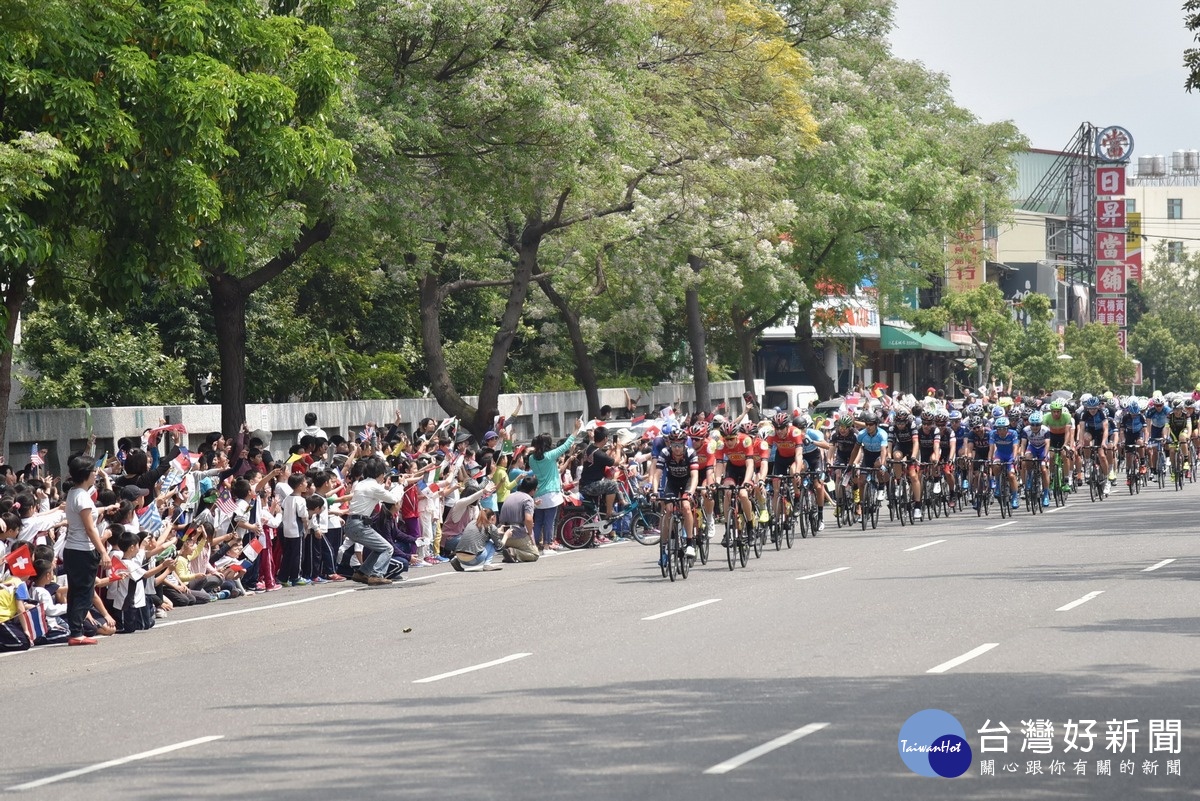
[(1166, 345), (1097, 362), (78, 358)]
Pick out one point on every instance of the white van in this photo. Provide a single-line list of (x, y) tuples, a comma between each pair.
[(789, 397)]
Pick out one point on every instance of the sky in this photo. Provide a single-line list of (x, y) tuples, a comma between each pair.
[(1050, 65)]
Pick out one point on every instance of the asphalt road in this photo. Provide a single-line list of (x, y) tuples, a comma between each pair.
[(789, 679)]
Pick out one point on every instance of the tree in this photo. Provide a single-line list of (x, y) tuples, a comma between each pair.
[(987, 315), (201, 133), (1031, 356), (1191, 56), (900, 167), (1167, 361), (78, 358), (1098, 364)]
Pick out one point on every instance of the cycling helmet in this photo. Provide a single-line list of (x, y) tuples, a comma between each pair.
[(1157, 402), (1057, 405), (941, 418), (1006, 402), (1111, 404), (926, 416), (1133, 407), (847, 421), (749, 427), (974, 410), (677, 436), (978, 422), (1178, 404), (1085, 397), (1092, 403), (1072, 406), (1034, 403), (997, 412), (955, 414), (700, 430), (1188, 403), (729, 428), (781, 420), (902, 415), (870, 418), (804, 421), (1035, 419), (1001, 422)]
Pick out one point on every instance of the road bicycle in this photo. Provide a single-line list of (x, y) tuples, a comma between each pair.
[(1133, 464), (737, 539), (982, 488), (1033, 484), (1093, 474), (1060, 477), (581, 520), (1004, 488), (673, 559), (869, 500)]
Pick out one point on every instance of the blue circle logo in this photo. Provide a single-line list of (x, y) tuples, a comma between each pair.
[(934, 743)]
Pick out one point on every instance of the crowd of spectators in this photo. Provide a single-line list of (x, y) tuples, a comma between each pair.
[(119, 543)]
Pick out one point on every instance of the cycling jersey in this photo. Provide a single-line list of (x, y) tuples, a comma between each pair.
[(1036, 440), (706, 451), (927, 437), (902, 437), (1093, 422), (676, 471), (786, 442), (811, 438), (1132, 425), (1058, 423), (1004, 444), (872, 444), (843, 445), (1178, 423), (1157, 420), (739, 453)]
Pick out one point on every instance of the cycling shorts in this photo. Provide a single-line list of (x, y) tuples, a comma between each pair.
[(781, 466)]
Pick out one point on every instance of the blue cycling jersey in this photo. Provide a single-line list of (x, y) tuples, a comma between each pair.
[(811, 438), (1004, 443), (874, 444), (1133, 423)]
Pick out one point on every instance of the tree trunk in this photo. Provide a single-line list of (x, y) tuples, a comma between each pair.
[(813, 367), (435, 358), (697, 338), (14, 298), (229, 314), (585, 370)]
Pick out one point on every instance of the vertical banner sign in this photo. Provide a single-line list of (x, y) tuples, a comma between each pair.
[(1113, 145), (1133, 246), (965, 260)]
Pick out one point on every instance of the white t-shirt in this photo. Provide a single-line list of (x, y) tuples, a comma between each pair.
[(294, 511), (79, 503)]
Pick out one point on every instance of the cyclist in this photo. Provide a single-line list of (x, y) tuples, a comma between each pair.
[(1092, 431), (976, 447), (1133, 426), (706, 454), (763, 451), (1180, 423), (1034, 438), (814, 446), (872, 444), (1061, 426), (843, 441), (926, 449), (736, 467), (1157, 415), (679, 469), (903, 443), (784, 440), (1001, 451)]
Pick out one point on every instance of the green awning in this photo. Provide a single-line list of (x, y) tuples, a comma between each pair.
[(932, 341), (892, 338)]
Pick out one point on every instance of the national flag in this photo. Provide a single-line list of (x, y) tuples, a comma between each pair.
[(295, 457), (117, 566), (153, 434), (20, 562), (102, 461), (225, 503), (641, 418), (172, 479), (183, 461), (251, 551), (149, 520), (35, 458)]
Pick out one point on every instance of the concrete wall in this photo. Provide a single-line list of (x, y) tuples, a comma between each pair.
[(65, 431)]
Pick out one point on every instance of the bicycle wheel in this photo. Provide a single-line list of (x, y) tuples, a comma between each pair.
[(1005, 489), (684, 565), (703, 540), (757, 537), (672, 551), (572, 529), (743, 542), (645, 526), (789, 530), (778, 524)]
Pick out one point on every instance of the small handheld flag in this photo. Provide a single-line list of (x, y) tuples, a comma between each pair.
[(35, 457), (20, 562)]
